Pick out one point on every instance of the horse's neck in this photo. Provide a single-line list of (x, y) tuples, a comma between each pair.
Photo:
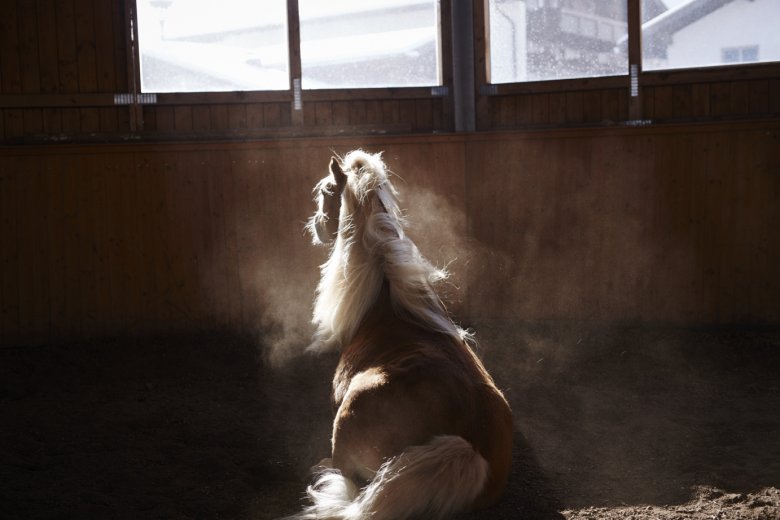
[(351, 281)]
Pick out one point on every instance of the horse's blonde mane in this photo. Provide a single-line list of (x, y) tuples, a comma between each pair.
[(372, 247)]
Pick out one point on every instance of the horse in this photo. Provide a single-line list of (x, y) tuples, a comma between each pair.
[(420, 427)]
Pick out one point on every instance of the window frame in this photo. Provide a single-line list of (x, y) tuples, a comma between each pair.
[(652, 78), (294, 94)]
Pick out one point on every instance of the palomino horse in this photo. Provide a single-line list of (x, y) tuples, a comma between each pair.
[(420, 427)]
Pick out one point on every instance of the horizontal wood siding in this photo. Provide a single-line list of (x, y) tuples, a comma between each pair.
[(634, 225)]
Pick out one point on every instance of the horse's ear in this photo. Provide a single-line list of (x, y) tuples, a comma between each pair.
[(337, 172)]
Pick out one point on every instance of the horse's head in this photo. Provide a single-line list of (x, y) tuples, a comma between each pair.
[(357, 187), (324, 224)]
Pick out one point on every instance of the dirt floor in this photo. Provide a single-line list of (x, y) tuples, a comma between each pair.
[(611, 423)]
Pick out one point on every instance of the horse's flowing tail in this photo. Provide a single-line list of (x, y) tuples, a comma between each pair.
[(438, 479)]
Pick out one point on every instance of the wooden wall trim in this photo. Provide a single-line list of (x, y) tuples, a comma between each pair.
[(394, 139)]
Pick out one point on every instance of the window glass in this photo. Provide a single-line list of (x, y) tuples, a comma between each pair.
[(357, 43), (700, 33), (208, 45), (532, 40)]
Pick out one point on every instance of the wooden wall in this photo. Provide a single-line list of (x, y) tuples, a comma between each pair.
[(650, 225), (681, 98), (63, 61)]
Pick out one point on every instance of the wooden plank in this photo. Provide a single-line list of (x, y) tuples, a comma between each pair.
[(28, 47), (86, 51), (575, 110), (119, 29), (158, 309), (700, 101), (503, 111), (373, 112), (32, 121), (357, 113), (740, 98), (89, 120), (758, 97), (340, 111), (56, 237), (423, 115), (663, 97), (10, 177), (183, 121), (149, 117), (128, 262), (52, 121), (10, 65), (71, 121), (90, 305), (201, 117), (109, 119), (73, 248), (215, 177), (557, 104), (323, 113), (720, 99), (272, 115), (391, 112), (254, 116), (67, 55), (104, 46), (47, 46), (592, 110), (682, 101), (164, 119), (540, 109), (219, 117), (523, 110), (610, 106), (774, 96), (114, 289), (237, 117)]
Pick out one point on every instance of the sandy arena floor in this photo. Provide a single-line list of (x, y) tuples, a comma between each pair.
[(611, 423)]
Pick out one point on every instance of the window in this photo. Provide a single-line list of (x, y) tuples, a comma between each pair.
[(537, 40), (700, 33), (208, 46), (739, 54), (540, 40), (382, 43), (238, 45)]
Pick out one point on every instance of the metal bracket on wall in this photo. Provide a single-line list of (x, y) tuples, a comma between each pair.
[(488, 90), (131, 99)]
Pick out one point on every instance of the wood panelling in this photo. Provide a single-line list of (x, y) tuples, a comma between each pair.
[(667, 226), (644, 225), (677, 102)]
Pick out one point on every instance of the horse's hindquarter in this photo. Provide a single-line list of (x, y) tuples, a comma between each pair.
[(408, 393)]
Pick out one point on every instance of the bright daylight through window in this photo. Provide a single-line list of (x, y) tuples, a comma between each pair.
[(533, 40), (537, 40), (207, 45), (381, 43), (234, 45), (699, 33)]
